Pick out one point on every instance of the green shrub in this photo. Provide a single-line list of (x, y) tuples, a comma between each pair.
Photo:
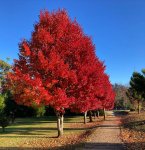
[(121, 112), (40, 111), (132, 109), (101, 112), (4, 122)]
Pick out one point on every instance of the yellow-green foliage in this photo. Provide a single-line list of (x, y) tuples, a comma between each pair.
[(2, 103)]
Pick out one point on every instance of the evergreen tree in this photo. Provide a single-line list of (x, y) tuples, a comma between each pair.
[(136, 91)]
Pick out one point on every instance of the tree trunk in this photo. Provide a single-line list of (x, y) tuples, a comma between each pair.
[(138, 107), (98, 113), (13, 118), (85, 117), (60, 124), (90, 116), (94, 114), (3, 129), (104, 113)]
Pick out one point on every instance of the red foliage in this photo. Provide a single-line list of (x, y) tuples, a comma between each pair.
[(58, 67), (107, 94)]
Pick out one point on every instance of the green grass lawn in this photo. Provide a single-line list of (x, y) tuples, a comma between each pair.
[(39, 126), (36, 132)]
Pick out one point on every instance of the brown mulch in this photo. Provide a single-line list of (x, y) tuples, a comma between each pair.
[(134, 140), (132, 133)]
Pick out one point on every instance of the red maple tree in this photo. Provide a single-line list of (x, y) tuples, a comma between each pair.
[(57, 67), (106, 94), (86, 98), (42, 75)]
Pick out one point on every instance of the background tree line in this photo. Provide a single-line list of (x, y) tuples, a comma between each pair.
[(121, 99)]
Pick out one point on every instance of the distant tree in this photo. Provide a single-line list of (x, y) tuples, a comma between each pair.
[(136, 90), (107, 95), (4, 69)]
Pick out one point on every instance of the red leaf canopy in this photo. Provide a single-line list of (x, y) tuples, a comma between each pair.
[(58, 67)]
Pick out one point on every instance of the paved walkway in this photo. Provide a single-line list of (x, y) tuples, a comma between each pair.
[(106, 136)]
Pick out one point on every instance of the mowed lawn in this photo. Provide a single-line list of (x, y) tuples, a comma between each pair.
[(42, 132)]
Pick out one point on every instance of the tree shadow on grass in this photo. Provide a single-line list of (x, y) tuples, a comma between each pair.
[(27, 131), (66, 120), (22, 130), (93, 146)]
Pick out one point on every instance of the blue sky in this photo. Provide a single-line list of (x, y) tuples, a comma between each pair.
[(117, 28)]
